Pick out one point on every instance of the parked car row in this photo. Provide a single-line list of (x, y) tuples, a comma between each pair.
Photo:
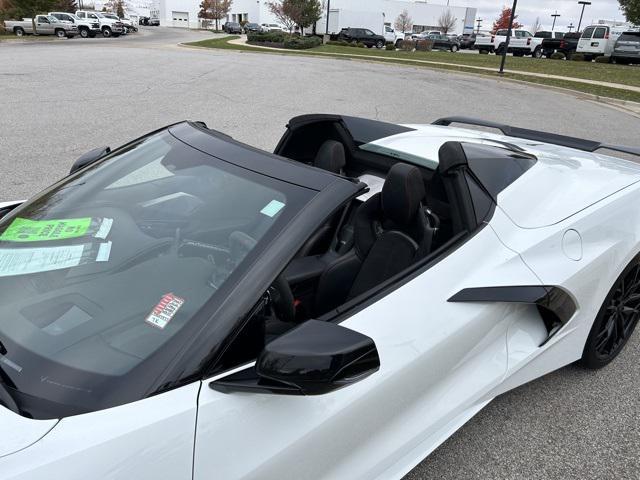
[(237, 28), (85, 23), (620, 44)]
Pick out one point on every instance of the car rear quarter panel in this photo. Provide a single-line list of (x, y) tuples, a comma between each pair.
[(584, 254)]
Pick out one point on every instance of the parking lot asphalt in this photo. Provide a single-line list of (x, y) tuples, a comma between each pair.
[(60, 99)]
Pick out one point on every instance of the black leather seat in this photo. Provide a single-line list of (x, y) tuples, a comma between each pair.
[(391, 232), (330, 157)]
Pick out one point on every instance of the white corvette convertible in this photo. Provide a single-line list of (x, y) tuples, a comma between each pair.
[(189, 307)]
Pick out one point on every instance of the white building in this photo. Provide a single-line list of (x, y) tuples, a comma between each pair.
[(373, 14)]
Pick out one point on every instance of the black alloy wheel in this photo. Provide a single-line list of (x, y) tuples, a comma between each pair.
[(616, 319)]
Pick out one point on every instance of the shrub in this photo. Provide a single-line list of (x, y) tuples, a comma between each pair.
[(407, 45), (578, 57), (603, 59), (424, 45), (340, 43), (391, 47), (271, 37), (557, 56), (302, 43)]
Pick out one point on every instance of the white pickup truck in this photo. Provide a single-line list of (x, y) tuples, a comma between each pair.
[(86, 27), (45, 25), (391, 35), (108, 26), (532, 45), (496, 42)]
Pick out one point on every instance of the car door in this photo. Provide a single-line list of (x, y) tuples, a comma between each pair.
[(599, 40), (43, 25), (439, 361), (584, 44)]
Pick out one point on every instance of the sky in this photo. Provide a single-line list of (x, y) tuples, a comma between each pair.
[(529, 10)]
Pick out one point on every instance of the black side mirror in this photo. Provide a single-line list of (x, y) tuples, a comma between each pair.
[(312, 359), (89, 157)]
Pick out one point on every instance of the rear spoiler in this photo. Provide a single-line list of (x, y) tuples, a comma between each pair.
[(544, 137)]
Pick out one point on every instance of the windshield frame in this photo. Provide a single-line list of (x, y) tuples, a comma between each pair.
[(194, 348)]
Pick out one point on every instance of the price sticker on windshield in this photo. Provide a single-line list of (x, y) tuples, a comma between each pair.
[(26, 230), (164, 311)]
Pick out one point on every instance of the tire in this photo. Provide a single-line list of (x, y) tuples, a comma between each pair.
[(84, 33), (498, 51), (19, 32), (537, 53), (379, 44), (60, 33), (454, 48), (616, 319), (106, 32)]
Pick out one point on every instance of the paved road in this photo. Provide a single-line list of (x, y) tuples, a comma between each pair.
[(60, 99)]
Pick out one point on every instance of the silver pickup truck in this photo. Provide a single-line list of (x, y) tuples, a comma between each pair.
[(45, 25)]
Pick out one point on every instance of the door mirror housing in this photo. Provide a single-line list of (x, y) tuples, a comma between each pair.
[(312, 359), (89, 158)]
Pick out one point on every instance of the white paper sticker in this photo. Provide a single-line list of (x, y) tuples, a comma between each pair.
[(104, 252), (273, 207), (164, 311), (21, 261), (105, 228)]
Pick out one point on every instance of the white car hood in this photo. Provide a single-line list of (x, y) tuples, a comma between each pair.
[(19, 432)]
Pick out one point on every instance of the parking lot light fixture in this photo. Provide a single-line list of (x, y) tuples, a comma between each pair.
[(555, 16), (584, 4), (509, 32)]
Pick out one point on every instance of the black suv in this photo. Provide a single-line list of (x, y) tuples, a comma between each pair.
[(252, 28), (362, 35), (232, 27)]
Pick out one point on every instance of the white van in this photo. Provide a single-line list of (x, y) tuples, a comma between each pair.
[(598, 40)]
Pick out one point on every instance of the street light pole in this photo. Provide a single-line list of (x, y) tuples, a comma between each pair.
[(555, 16), (328, 11), (506, 43), (479, 21), (570, 27), (584, 4)]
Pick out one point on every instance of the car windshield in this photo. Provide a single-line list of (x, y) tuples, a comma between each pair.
[(106, 268)]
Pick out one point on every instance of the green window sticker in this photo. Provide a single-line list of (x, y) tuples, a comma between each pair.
[(25, 230)]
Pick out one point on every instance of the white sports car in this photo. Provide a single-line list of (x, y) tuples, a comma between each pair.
[(189, 307)]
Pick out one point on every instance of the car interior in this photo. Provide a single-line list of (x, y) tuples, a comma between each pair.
[(409, 215)]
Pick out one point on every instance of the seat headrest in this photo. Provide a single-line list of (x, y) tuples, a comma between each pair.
[(330, 157), (402, 193)]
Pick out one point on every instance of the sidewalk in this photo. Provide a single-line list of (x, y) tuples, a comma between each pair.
[(631, 88)]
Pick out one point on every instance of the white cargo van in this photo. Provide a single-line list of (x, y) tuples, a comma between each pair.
[(598, 40)]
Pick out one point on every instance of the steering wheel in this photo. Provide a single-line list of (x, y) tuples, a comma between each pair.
[(282, 300)]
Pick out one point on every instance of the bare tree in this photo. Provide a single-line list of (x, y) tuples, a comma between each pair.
[(537, 26), (447, 21), (285, 14), (404, 22)]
